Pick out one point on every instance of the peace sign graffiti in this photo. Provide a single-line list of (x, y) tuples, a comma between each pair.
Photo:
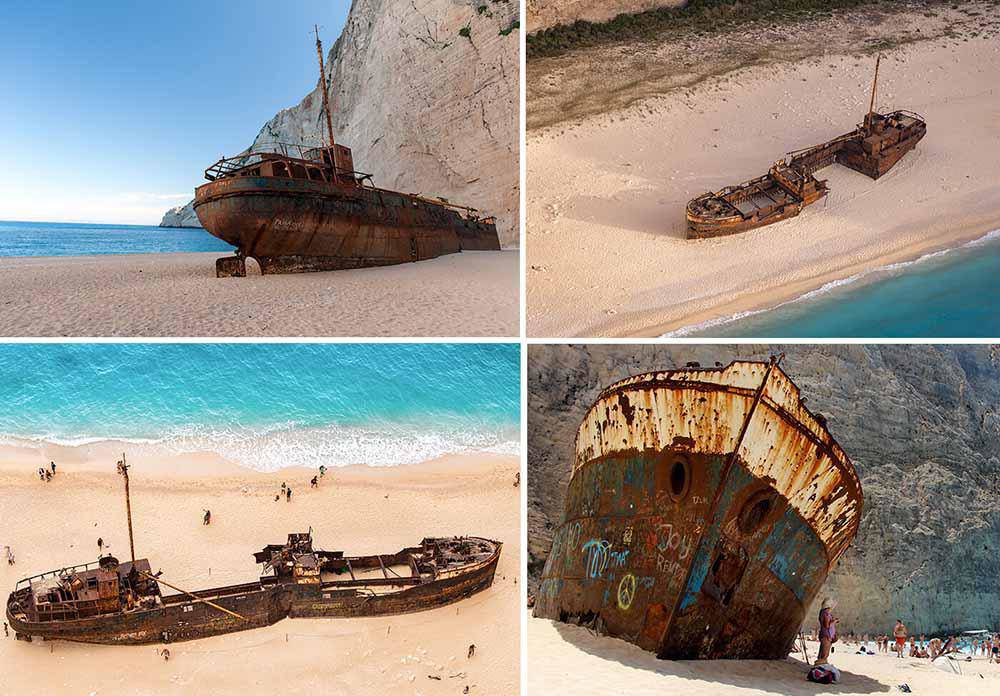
[(626, 592)]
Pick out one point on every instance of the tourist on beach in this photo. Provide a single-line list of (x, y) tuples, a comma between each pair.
[(208, 517), (314, 483), (827, 630), (322, 471), (100, 545), (900, 633), (41, 474), (6, 631), (995, 650), (284, 486), (53, 465), (10, 555), (288, 494), (48, 475)]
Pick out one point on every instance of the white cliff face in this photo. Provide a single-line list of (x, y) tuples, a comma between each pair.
[(543, 14), (425, 93), (181, 216)]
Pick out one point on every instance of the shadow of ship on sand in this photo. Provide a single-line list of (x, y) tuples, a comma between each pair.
[(779, 676)]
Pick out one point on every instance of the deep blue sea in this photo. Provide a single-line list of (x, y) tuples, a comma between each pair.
[(76, 239), (268, 406), (948, 294)]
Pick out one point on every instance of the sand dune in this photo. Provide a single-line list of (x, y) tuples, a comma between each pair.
[(357, 509), (571, 660), (469, 294), (607, 253)]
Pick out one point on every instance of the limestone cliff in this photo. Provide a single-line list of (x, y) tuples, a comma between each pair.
[(425, 92), (920, 423), (181, 216), (543, 14)]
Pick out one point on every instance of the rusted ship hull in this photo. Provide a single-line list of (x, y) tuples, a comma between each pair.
[(872, 149), (698, 525), (298, 225), (260, 604)]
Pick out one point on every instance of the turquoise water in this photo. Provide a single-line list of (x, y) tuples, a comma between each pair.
[(268, 406), (950, 294), (73, 239)]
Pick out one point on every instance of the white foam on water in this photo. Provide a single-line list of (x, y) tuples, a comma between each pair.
[(285, 445), (828, 287)]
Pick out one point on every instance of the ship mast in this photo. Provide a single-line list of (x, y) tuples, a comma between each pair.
[(326, 98), (123, 470), (871, 106)]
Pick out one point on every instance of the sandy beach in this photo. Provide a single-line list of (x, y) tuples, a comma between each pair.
[(356, 509), (468, 294), (607, 253), (569, 659)]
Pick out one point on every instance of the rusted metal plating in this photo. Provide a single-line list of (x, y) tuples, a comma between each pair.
[(684, 537), (117, 603), (297, 209), (789, 186)]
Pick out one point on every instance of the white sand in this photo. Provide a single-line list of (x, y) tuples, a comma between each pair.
[(607, 253), (474, 293), (565, 659), (356, 509)]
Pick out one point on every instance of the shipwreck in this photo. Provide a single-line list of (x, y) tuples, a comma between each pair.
[(297, 208), (115, 602), (706, 508), (873, 148)]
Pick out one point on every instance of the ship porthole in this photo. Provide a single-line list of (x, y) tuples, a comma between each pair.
[(680, 479), (754, 512)]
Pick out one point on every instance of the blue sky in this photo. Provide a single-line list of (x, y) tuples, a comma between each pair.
[(110, 111)]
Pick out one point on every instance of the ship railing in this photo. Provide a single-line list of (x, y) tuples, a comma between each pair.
[(911, 114), (26, 582), (255, 154)]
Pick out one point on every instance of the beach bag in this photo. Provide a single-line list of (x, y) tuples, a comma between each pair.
[(822, 674)]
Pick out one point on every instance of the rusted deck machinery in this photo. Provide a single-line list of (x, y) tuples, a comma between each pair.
[(121, 603), (705, 509), (300, 208), (789, 185)]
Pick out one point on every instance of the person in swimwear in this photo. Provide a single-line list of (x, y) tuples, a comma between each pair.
[(900, 633), (827, 630)]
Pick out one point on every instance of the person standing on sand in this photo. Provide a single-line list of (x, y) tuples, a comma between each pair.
[(100, 545), (208, 517), (10, 555), (314, 483), (900, 633), (322, 471), (53, 465), (288, 494), (827, 630)]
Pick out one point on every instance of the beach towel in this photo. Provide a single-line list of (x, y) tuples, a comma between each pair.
[(946, 664), (823, 674)]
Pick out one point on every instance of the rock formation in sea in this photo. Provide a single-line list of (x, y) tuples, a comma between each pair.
[(920, 423), (426, 94), (543, 14), (181, 216)]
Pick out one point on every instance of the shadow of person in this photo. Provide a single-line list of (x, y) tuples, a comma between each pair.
[(786, 676)]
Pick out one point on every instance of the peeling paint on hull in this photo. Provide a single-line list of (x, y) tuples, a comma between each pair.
[(685, 538)]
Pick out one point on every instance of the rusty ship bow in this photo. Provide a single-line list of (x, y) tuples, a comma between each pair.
[(705, 509)]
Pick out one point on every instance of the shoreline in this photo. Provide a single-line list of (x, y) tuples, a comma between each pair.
[(98, 456), (863, 277), (474, 293), (609, 220)]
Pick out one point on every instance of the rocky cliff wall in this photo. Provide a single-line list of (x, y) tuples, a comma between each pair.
[(920, 423), (543, 14), (425, 93)]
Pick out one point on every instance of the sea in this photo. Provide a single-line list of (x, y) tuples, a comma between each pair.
[(77, 239), (946, 294), (267, 406)]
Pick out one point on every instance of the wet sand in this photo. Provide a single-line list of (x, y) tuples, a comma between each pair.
[(356, 509), (572, 660), (140, 295), (607, 253)]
